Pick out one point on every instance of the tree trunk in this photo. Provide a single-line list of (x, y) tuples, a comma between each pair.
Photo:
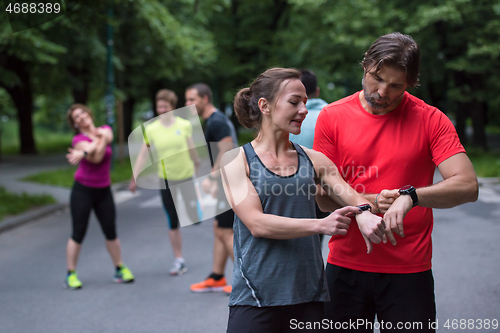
[(22, 96), (80, 88), (81, 95), (461, 117), (478, 112), (128, 113)]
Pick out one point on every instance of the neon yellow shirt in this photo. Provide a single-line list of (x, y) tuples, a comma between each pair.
[(169, 146)]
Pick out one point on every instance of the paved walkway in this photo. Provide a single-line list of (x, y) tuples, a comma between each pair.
[(14, 168)]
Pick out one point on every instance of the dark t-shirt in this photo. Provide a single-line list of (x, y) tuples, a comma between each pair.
[(217, 127)]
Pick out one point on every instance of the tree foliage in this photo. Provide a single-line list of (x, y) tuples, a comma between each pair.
[(227, 43)]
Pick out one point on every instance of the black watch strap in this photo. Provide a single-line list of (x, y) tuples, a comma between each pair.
[(364, 207), (411, 191)]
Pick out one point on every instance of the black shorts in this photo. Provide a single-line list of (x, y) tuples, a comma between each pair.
[(402, 302), (223, 212), (276, 319), (225, 219)]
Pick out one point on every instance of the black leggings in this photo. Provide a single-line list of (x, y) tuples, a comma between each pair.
[(83, 200), (188, 193)]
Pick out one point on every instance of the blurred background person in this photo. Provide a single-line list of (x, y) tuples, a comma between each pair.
[(220, 136), (171, 138), (91, 191)]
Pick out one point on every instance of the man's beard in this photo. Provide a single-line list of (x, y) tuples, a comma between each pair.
[(375, 101)]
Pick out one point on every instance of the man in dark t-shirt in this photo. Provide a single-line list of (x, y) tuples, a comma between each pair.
[(220, 136)]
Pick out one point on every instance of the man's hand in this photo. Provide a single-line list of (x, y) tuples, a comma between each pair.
[(386, 198), (394, 217), (99, 132)]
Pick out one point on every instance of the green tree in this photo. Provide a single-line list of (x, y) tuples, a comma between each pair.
[(20, 54)]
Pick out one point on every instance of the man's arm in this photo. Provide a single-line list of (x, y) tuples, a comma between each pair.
[(208, 185), (224, 144), (458, 187), (193, 153)]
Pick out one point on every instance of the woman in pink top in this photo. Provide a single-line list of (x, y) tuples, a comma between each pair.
[(91, 191)]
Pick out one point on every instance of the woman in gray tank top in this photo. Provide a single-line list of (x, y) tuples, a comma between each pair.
[(278, 276)]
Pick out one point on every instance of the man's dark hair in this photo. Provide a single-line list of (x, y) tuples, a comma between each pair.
[(202, 89), (309, 81), (395, 50)]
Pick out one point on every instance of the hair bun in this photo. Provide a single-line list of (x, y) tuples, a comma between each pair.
[(243, 108)]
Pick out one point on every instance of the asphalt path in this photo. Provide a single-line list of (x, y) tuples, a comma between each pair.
[(466, 269)]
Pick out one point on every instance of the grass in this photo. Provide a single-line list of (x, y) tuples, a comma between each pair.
[(46, 141), (12, 204), (486, 164), (64, 177)]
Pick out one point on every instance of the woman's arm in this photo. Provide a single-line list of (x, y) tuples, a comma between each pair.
[(325, 203), (244, 200), (371, 226), (80, 151), (104, 136), (92, 151)]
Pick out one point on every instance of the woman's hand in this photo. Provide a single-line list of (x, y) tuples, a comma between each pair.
[(75, 156), (99, 133), (372, 228), (338, 222)]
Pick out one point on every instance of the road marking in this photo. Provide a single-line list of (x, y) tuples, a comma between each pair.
[(122, 196), (206, 201), (152, 202)]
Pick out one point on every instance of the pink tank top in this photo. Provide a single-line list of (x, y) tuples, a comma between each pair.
[(90, 174)]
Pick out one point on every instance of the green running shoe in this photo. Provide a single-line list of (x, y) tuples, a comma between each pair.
[(72, 281), (124, 275)]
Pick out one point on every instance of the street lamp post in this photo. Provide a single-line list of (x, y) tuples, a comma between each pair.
[(110, 80)]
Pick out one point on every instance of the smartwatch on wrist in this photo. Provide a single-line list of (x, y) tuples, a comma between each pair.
[(364, 207), (410, 190)]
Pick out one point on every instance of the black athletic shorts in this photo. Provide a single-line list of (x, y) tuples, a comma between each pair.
[(223, 212), (402, 302), (305, 317)]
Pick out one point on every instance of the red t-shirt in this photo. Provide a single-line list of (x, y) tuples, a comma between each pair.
[(377, 152)]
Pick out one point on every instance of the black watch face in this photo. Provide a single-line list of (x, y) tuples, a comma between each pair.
[(365, 207), (405, 188)]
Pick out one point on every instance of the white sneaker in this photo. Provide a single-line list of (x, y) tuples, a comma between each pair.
[(178, 268)]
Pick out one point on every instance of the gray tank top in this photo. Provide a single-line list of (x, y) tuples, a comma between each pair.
[(274, 272)]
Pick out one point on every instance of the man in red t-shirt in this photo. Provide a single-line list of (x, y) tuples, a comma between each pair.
[(386, 144)]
